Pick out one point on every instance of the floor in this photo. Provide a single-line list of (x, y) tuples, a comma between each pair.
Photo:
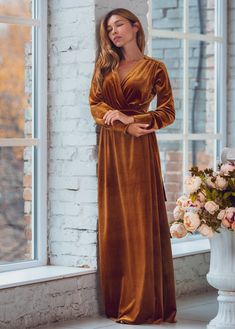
[(193, 312)]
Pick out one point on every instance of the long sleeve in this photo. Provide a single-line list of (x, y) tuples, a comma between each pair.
[(99, 108), (164, 114)]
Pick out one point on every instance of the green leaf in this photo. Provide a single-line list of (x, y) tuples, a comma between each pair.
[(227, 195)]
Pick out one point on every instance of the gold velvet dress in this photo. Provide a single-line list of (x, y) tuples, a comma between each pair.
[(135, 257)]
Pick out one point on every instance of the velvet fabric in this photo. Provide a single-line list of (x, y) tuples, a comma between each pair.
[(135, 257)]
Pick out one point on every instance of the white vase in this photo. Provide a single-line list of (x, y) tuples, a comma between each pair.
[(222, 277)]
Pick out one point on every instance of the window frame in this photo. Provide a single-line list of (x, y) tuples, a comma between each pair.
[(220, 41), (38, 22)]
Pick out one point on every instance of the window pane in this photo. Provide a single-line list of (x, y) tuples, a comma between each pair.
[(167, 15), (202, 16), (201, 87), (171, 155), (15, 81), (171, 53), (19, 8), (201, 154), (15, 204)]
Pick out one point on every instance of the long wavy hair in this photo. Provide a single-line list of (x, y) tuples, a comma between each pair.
[(110, 55)]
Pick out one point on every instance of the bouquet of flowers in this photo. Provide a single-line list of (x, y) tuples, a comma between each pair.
[(209, 203)]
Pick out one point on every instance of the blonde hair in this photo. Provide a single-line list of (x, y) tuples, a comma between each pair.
[(110, 55)]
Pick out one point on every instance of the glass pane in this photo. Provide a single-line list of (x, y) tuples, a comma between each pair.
[(167, 15), (15, 204), (202, 16), (201, 154), (171, 155), (15, 81), (171, 53), (19, 8), (201, 87)]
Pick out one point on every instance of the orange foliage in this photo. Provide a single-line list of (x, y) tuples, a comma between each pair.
[(14, 60)]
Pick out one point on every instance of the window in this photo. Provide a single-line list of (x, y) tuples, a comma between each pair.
[(23, 134), (189, 36)]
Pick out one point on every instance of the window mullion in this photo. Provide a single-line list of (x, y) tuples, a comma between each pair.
[(220, 74), (19, 21), (183, 35), (185, 90), (13, 142), (150, 28)]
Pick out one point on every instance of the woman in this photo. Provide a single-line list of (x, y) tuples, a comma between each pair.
[(135, 260)]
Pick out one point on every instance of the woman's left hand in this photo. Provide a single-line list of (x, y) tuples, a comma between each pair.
[(113, 115)]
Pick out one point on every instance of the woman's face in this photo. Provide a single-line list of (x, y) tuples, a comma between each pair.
[(120, 30)]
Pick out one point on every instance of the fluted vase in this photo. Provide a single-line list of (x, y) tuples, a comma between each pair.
[(221, 276)]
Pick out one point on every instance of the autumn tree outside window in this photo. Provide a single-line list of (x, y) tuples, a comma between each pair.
[(22, 128)]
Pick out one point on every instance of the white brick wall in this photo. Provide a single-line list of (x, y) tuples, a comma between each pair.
[(72, 139), (231, 73), (190, 274), (41, 303)]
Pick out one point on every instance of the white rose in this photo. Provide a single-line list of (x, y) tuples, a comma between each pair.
[(192, 184), (209, 182), (205, 230), (221, 183), (211, 207), (191, 221), (178, 230), (178, 213)]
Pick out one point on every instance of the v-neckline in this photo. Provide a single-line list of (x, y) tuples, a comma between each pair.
[(129, 72)]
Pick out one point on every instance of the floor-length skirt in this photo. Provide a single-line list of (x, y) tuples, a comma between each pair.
[(135, 257)]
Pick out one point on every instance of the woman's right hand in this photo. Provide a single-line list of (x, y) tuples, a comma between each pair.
[(139, 129)]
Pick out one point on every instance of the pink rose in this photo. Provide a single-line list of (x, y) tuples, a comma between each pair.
[(209, 182), (221, 183), (183, 201), (225, 168), (211, 207), (201, 197), (205, 230), (178, 230), (225, 222), (178, 213), (192, 184), (230, 214), (196, 204), (191, 221), (221, 214)]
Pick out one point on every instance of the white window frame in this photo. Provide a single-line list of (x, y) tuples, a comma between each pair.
[(198, 244), (39, 134)]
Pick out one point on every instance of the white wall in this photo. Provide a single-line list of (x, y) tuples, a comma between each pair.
[(72, 197)]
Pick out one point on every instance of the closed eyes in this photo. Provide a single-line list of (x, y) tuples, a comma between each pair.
[(109, 30)]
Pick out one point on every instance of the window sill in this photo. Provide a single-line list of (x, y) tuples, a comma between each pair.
[(40, 274), (189, 246), (180, 247)]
